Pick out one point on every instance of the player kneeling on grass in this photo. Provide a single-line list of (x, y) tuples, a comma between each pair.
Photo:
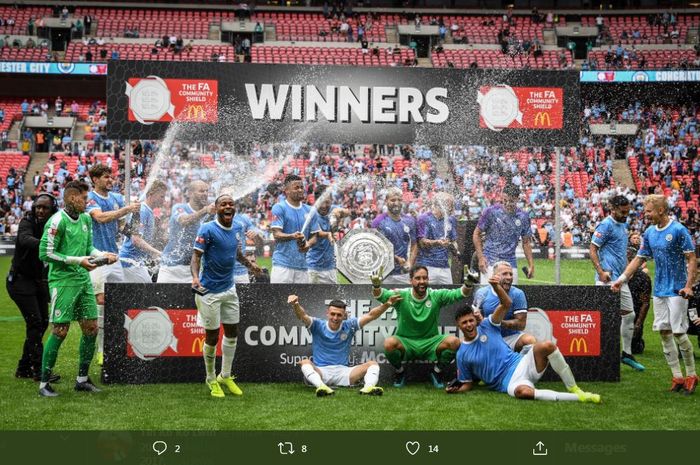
[(331, 343), (218, 246), (484, 355)]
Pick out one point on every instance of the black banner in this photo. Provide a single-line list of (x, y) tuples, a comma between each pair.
[(151, 333), (335, 104)]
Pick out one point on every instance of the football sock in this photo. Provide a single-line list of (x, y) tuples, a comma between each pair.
[(372, 375), (445, 358), (101, 328), (228, 350), (546, 394), (209, 353), (395, 357), (627, 331), (311, 375), (686, 348), (85, 353), (671, 354), (559, 365), (48, 360)]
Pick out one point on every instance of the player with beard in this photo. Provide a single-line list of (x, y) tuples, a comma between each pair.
[(417, 336), (288, 218), (669, 243), (66, 246), (321, 255), (502, 226), (486, 301), (437, 235), (608, 252), (216, 249), (484, 355), (185, 220), (401, 231), (105, 208)]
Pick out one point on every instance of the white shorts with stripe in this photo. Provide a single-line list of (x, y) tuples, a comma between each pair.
[(136, 274), (401, 279), (335, 375), (323, 276), (113, 273), (174, 274), (626, 303), (513, 339), (439, 275), (525, 373), (671, 313), (282, 275), (217, 308)]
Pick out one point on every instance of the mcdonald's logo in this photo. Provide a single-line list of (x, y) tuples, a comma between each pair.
[(196, 112), (580, 343), (198, 345), (542, 119)]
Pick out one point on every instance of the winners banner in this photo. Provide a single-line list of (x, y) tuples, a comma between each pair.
[(337, 104), (152, 335)]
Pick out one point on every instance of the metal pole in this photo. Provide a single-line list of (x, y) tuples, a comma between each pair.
[(127, 173), (557, 218)]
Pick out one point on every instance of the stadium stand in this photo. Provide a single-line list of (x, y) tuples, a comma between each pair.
[(332, 56)]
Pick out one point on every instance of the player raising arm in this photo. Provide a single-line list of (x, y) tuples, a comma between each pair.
[(484, 355), (331, 343)]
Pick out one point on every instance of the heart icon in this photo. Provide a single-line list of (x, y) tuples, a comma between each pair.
[(412, 447)]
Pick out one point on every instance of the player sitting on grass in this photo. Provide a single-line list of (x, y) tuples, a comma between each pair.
[(417, 336), (484, 355), (331, 348)]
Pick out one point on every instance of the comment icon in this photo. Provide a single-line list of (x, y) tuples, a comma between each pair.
[(159, 447)]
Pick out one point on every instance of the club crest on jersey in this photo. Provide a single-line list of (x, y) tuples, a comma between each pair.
[(669, 237), (428, 304), (343, 336), (518, 222), (484, 338), (84, 228), (406, 229)]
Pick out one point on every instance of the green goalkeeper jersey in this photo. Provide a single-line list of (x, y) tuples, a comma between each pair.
[(63, 243), (418, 319)]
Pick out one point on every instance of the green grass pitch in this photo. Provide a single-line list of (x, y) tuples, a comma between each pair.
[(639, 402)]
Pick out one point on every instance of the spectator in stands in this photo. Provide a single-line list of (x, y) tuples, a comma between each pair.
[(2, 115), (88, 56), (40, 139), (59, 106), (87, 22), (103, 53), (115, 55)]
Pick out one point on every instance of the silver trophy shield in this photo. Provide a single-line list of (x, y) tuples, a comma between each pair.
[(362, 252)]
